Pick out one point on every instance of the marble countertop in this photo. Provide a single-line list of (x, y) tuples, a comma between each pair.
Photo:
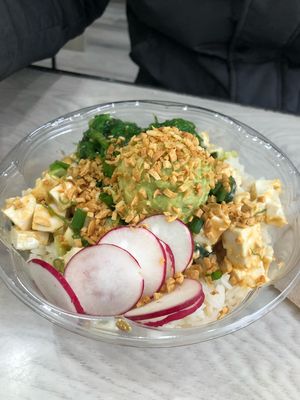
[(41, 361)]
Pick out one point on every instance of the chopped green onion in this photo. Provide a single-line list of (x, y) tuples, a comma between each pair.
[(58, 168), (216, 275), (108, 170), (78, 220), (195, 225), (221, 194), (59, 264), (54, 213), (260, 212), (215, 190), (99, 184), (76, 236), (229, 197), (203, 252), (107, 199), (84, 242)]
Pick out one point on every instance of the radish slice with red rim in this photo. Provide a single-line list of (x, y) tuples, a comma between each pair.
[(170, 271), (184, 295), (160, 321), (106, 278), (54, 286), (147, 250), (175, 234)]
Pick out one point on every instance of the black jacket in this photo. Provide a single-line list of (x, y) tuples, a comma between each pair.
[(246, 51)]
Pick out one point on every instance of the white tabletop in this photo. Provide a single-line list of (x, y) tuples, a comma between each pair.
[(41, 361)]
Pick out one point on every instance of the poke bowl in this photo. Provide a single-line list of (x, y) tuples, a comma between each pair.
[(149, 224)]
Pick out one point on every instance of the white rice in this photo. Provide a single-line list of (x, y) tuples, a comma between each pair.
[(217, 295)]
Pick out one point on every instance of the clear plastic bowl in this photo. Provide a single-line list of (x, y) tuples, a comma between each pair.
[(260, 157)]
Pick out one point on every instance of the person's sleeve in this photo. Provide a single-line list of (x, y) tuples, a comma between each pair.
[(31, 30)]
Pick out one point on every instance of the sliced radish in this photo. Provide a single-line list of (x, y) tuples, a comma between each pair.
[(160, 321), (147, 250), (106, 279), (189, 292), (54, 286), (176, 234), (170, 260)]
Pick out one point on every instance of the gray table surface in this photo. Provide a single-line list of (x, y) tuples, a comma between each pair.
[(41, 361)]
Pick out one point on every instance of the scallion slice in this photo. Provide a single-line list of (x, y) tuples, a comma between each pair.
[(58, 168), (78, 220), (196, 224)]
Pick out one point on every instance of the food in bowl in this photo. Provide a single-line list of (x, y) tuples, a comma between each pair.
[(157, 225)]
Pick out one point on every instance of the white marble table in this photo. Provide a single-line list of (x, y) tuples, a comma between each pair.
[(40, 361)]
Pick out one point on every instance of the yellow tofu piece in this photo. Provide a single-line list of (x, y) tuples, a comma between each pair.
[(43, 186), (249, 256), (68, 236), (57, 210), (218, 226), (20, 211), (58, 193), (241, 245), (44, 221), (28, 240), (251, 278), (267, 193)]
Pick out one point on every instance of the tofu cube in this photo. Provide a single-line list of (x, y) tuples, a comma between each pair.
[(68, 237), (251, 278), (267, 194), (218, 226), (28, 240), (58, 193), (43, 186), (240, 243), (20, 211), (45, 222)]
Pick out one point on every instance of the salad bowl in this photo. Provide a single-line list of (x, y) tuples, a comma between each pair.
[(260, 157)]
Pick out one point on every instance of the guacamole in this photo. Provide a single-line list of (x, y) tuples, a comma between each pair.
[(163, 170)]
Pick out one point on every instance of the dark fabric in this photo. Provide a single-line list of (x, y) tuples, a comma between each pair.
[(247, 51), (31, 30)]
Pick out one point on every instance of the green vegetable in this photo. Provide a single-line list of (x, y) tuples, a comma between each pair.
[(220, 192), (84, 242), (58, 168), (61, 246), (260, 212), (216, 275), (54, 214), (95, 140), (221, 195), (215, 190), (223, 155), (78, 220), (229, 197), (59, 264), (180, 123), (196, 224), (107, 199), (108, 170), (92, 144), (99, 184), (203, 252)]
